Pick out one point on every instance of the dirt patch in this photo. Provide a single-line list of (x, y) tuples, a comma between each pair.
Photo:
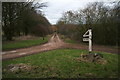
[(17, 68), (27, 69), (92, 57)]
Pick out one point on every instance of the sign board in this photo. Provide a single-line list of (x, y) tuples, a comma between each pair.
[(85, 39), (88, 34)]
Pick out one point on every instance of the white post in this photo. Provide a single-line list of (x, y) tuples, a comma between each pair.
[(89, 35), (90, 40)]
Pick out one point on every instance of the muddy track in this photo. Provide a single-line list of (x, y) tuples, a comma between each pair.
[(54, 43)]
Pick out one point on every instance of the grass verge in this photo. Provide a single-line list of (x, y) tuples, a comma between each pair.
[(70, 41), (62, 63), (67, 40), (23, 43)]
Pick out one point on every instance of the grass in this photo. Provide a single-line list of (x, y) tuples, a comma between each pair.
[(23, 43), (70, 41), (62, 63), (67, 40)]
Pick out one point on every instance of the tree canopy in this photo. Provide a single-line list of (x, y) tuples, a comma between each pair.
[(103, 19), (22, 18)]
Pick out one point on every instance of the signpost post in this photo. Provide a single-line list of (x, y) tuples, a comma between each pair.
[(92, 57), (89, 35)]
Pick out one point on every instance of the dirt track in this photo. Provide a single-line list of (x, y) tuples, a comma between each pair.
[(54, 43)]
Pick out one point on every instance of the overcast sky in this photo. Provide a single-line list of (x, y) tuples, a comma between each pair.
[(56, 7)]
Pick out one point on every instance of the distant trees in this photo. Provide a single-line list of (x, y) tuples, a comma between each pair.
[(21, 18), (68, 29), (104, 20), (8, 17), (53, 28), (70, 17)]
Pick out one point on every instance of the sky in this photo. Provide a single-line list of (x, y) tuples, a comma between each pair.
[(56, 7)]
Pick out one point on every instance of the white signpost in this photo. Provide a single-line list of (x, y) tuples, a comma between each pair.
[(89, 35)]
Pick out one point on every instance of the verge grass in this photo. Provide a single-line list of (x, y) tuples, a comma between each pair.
[(23, 43), (62, 63)]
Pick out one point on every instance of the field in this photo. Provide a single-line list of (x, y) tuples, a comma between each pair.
[(62, 63)]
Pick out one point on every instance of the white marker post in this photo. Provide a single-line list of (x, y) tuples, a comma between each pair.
[(89, 35)]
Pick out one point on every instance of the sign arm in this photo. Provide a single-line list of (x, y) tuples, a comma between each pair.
[(85, 34)]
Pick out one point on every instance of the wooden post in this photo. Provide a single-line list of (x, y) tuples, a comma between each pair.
[(90, 40)]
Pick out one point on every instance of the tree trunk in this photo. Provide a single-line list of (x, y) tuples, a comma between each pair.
[(9, 36), (43, 36)]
